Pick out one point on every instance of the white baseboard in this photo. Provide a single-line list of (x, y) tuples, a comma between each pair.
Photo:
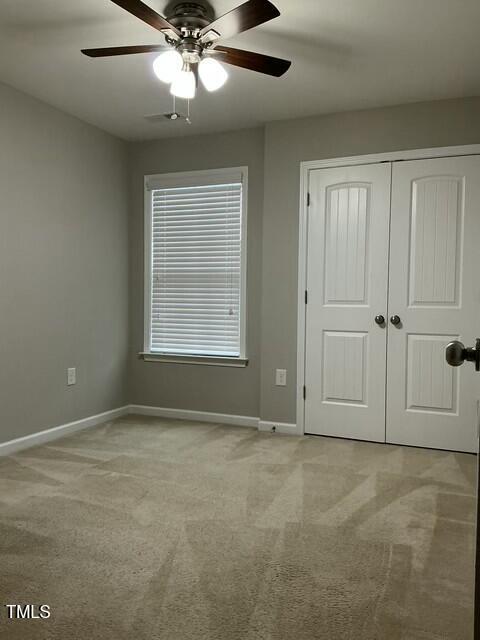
[(223, 418), (41, 437), (284, 428), (199, 416)]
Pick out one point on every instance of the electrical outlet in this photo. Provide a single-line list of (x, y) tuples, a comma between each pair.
[(71, 376), (281, 377)]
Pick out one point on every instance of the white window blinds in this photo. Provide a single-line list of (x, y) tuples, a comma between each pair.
[(196, 268)]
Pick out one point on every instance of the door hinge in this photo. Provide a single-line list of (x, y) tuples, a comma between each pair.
[(306, 296), (308, 199), (304, 392)]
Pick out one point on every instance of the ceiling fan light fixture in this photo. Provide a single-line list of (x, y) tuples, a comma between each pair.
[(191, 32), (184, 85), (167, 65), (212, 74)]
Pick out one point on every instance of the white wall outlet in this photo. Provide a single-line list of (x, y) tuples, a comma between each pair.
[(281, 377), (71, 376)]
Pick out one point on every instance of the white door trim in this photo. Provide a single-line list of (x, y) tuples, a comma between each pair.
[(305, 168)]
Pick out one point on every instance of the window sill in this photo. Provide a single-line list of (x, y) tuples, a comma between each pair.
[(212, 361)]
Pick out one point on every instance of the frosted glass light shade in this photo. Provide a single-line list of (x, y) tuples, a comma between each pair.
[(212, 73), (167, 65), (183, 85)]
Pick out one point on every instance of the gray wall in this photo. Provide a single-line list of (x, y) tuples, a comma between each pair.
[(435, 124), (204, 388), (63, 267), (274, 158), (64, 193)]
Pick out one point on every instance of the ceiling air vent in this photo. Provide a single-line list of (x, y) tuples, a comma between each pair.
[(164, 118)]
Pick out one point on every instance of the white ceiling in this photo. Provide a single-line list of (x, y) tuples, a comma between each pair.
[(346, 54)]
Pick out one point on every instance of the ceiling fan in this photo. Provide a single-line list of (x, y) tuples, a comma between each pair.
[(192, 51)]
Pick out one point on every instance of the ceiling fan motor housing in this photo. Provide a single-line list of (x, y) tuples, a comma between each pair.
[(190, 18), (190, 15)]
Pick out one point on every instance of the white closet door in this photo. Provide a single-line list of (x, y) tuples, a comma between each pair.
[(435, 290), (348, 230)]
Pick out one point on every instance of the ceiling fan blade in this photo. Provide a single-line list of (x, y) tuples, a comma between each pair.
[(148, 15), (246, 16), (250, 60), (122, 51)]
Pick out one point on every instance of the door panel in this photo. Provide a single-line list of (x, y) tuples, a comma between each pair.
[(435, 241), (344, 367), (435, 289), (348, 227), (346, 243), (431, 385)]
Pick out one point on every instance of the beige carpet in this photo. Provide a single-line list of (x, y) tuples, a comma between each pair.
[(154, 529)]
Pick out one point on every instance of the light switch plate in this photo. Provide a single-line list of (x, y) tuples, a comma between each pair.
[(71, 376), (281, 377)]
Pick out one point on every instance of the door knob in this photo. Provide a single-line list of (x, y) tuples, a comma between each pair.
[(379, 320), (456, 353), (395, 320)]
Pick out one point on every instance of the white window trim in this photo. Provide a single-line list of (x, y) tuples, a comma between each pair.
[(193, 178)]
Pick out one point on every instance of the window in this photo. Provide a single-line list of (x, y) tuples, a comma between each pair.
[(196, 263)]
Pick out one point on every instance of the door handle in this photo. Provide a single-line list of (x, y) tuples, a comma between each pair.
[(380, 320), (456, 354), (395, 320)]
